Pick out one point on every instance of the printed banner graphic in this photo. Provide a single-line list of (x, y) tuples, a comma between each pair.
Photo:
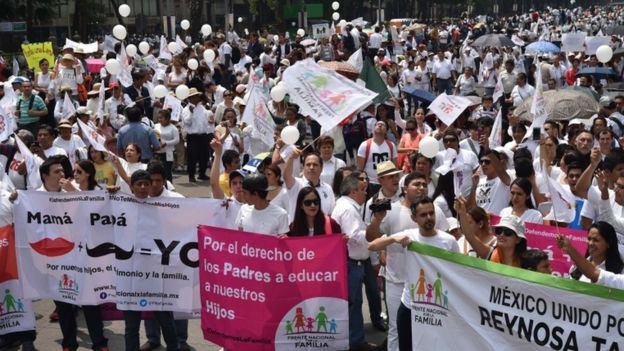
[(261, 292), (16, 312), (95, 247), (497, 307)]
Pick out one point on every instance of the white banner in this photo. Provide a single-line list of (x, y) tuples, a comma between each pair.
[(257, 115), (593, 43), (448, 107), (323, 94), (573, 41), (321, 30), (489, 306), (16, 312), (172, 102), (95, 247)]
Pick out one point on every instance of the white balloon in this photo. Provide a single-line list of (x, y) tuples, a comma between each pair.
[(209, 55), (120, 32), (103, 72), (290, 135), (124, 10), (182, 91), (185, 24), (278, 93), (335, 16), (131, 50), (342, 23), (604, 53), (275, 38), (144, 47), (113, 66), (160, 91), (335, 5), (174, 47), (300, 32), (429, 147), (206, 29), (240, 20), (192, 64)]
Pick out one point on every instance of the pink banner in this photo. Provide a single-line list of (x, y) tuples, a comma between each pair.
[(260, 292), (542, 237)]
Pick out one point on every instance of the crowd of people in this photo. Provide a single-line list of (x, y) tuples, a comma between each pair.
[(365, 178)]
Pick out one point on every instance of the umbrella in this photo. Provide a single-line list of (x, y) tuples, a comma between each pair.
[(542, 46), (341, 67), (419, 94), (94, 65), (496, 40), (562, 104), (597, 72), (415, 26)]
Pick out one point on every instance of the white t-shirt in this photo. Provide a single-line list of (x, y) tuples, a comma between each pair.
[(376, 155), (329, 169), (282, 200), (441, 239), (492, 195), (272, 220), (466, 85), (529, 216)]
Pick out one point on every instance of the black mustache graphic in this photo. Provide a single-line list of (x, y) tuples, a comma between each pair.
[(109, 248)]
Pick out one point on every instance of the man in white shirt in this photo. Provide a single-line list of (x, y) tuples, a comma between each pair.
[(72, 144), (491, 193), (443, 72), (463, 164), (347, 214), (312, 167), (423, 213), (395, 221), (45, 138), (374, 151), (117, 99), (196, 125), (522, 90), (557, 71), (374, 43), (259, 215)]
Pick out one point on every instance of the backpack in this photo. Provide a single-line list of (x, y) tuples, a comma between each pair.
[(357, 130), (236, 54), (368, 148)]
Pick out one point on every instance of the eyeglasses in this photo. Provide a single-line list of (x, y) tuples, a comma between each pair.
[(485, 161), (504, 231), (311, 202)]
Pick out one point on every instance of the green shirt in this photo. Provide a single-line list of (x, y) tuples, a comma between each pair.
[(23, 105)]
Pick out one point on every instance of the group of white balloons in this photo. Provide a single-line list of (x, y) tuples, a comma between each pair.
[(181, 92)]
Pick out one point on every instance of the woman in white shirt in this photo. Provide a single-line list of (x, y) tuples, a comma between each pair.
[(227, 103), (331, 164), (43, 78), (278, 195), (178, 75), (602, 251), (466, 83), (169, 138), (521, 204), (125, 169)]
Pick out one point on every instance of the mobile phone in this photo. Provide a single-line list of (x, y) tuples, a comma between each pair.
[(537, 134)]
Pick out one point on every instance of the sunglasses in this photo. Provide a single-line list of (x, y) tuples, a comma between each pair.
[(410, 129), (364, 179), (504, 231), (311, 202), (485, 162)]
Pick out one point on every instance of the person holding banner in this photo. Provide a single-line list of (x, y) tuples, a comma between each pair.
[(521, 204), (141, 183), (423, 214), (69, 72), (602, 251), (476, 221), (260, 216), (309, 218)]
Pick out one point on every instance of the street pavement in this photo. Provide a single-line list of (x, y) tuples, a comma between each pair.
[(49, 334)]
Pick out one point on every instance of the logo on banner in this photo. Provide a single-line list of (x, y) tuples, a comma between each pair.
[(312, 324), (429, 300), (11, 310), (68, 286)]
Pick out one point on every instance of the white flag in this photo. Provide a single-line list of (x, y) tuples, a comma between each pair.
[(6, 125), (180, 42), (164, 53), (499, 90), (496, 135), (448, 107), (101, 100), (124, 76), (538, 105), (15, 66), (34, 180), (356, 60), (563, 201), (257, 115), (172, 102), (95, 139), (68, 107), (323, 94)]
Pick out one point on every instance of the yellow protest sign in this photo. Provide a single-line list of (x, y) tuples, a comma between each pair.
[(34, 52)]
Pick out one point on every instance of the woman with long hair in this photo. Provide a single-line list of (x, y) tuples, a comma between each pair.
[(133, 163), (444, 194), (521, 204), (476, 221), (279, 195), (104, 170), (84, 177), (309, 218), (511, 242), (408, 145), (602, 250)]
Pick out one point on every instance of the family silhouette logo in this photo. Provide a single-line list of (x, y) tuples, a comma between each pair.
[(10, 304), (320, 323), (68, 287), (430, 300)]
